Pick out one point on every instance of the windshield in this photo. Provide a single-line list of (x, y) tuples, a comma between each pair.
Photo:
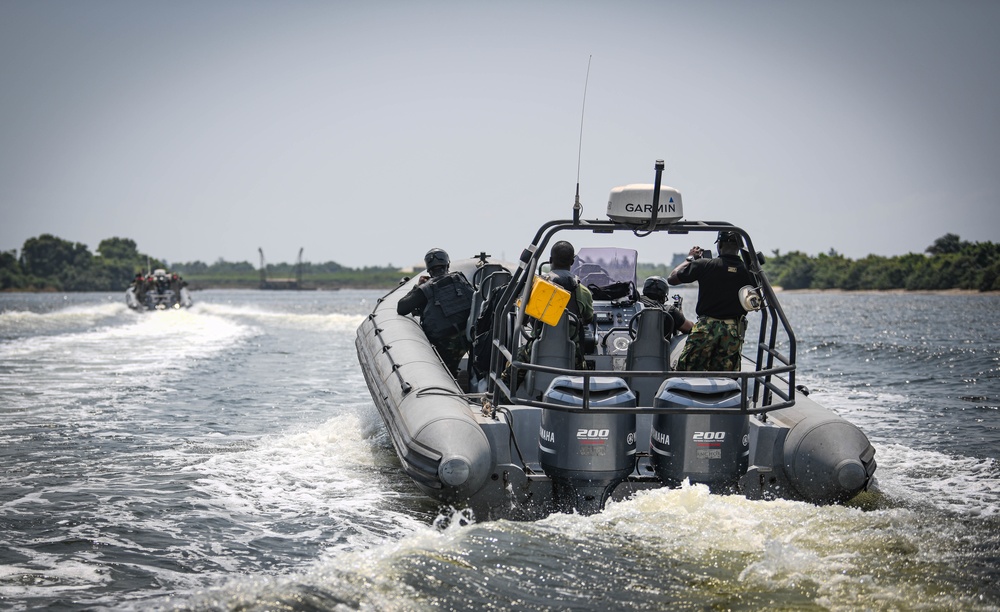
[(604, 266)]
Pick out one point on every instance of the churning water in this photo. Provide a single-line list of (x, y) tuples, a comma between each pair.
[(229, 457)]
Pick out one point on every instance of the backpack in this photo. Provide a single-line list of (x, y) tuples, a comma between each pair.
[(449, 302)]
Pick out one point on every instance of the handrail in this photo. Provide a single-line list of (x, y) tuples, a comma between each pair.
[(758, 376), (770, 386)]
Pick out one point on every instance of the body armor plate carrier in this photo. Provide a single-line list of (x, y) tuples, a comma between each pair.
[(449, 302)]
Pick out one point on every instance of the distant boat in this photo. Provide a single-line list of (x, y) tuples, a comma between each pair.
[(158, 291), (524, 433)]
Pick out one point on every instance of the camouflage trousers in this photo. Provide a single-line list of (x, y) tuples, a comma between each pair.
[(713, 346)]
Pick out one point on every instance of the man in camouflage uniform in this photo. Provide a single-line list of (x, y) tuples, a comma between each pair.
[(715, 343)]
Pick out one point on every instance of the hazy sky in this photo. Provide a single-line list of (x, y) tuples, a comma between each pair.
[(368, 131)]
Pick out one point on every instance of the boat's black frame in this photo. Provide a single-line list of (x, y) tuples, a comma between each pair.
[(769, 382)]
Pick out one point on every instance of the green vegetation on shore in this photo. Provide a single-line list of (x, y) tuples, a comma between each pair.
[(48, 263), (949, 263), (329, 275)]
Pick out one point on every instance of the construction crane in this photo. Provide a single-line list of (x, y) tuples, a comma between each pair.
[(280, 283)]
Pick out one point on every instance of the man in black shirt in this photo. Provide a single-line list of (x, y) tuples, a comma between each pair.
[(443, 301), (654, 295), (716, 341)]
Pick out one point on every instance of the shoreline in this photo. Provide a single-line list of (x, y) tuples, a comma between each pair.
[(890, 291)]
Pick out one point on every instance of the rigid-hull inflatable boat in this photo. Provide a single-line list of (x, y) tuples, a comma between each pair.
[(158, 291), (522, 432)]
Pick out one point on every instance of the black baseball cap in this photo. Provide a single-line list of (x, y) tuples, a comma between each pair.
[(728, 236)]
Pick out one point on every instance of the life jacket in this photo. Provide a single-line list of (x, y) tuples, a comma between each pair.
[(449, 302)]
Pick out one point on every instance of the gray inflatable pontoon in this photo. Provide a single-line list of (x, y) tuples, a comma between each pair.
[(523, 433)]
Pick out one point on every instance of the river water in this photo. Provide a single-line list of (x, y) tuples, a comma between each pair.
[(229, 457)]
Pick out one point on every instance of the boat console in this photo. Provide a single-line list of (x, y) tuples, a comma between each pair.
[(610, 275)]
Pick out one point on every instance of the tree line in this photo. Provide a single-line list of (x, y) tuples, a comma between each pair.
[(49, 263), (327, 275), (949, 263)]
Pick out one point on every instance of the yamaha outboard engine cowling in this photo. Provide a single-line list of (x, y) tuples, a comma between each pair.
[(712, 449), (587, 454)]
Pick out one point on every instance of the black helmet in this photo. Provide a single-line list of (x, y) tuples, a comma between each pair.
[(436, 258), (726, 236), (655, 288)]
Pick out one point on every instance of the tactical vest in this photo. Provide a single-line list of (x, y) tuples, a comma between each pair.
[(449, 302)]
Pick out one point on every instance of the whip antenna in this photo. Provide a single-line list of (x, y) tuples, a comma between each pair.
[(577, 207)]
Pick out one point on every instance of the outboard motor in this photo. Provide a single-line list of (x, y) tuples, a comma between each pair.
[(711, 449), (587, 455)]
